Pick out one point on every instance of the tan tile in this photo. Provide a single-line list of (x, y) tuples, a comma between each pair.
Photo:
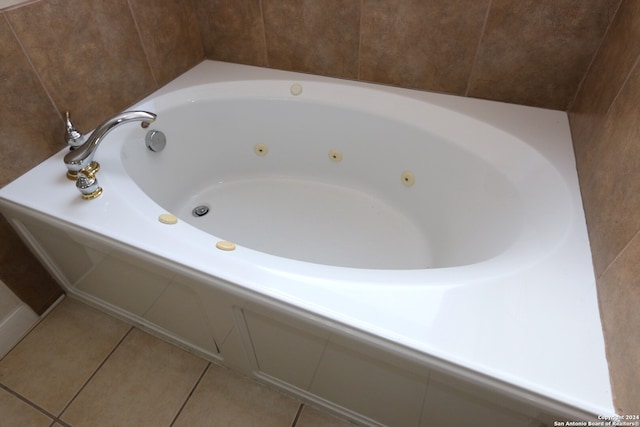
[(29, 122), (170, 35), (320, 37), (619, 51), (50, 365), (418, 44), (610, 183), (88, 54), (143, 383), (232, 30), (619, 298), (226, 399), (536, 52), (311, 417), (29, 130), (16, 413)]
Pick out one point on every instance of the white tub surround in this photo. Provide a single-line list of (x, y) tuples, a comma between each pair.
[(377, 236)]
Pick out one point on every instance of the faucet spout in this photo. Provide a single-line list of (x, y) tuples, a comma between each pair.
[(82, 156)]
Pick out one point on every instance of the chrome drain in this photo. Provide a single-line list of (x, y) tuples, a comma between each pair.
[(199, 211)]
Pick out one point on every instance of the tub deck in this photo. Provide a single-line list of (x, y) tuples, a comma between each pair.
[(533, 330)]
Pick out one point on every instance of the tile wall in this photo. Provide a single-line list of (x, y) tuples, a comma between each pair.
[(605, 123), (94, 58), (532, 52), (89, 57)]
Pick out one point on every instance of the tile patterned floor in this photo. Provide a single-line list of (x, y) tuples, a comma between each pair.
[(82, 368)]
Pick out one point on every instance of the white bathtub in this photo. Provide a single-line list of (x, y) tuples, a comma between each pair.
[(444, 233)]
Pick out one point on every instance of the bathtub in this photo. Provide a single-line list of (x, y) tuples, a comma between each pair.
[(327, 236)]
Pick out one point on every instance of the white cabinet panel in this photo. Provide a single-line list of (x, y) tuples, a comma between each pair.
[(132, 285), (286, 349), (352, 375), (364, 381), (58, 245), (179, 310), (453, 403)]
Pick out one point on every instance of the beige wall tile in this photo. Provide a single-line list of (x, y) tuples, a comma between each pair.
[(87, 53), (320, 37), (530, 52), (619, 296), (607, 74), (232, 31), (605, 126), (536, 52), (610, 181), (421, 44), (50, 365), (225, 399), (171, 36), (30, 122), (144, 382), (30, 129), (15, 413)]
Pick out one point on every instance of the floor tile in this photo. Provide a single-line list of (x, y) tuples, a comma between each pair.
[(311, 417), (144, 382), (226, 399), (60, 354), (16, 413)]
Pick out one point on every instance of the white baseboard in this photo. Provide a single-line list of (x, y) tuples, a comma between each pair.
[(14, 326)]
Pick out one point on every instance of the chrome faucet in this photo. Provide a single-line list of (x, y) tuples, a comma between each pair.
[(72, 137), (79, 160), (81, 157)]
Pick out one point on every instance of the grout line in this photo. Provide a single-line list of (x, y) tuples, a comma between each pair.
[(33, 68), (264, 35), (193, 389), (596, 54), (144, 48), (28, 402), (635, 65), (600, 129), (295, 419), (360, 41), (95, 372), (22, 338), (477, 54), (54, 419), (618, 255), (38, 322), (61, 422)]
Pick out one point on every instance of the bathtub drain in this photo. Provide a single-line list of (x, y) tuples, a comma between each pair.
[(201, 210)]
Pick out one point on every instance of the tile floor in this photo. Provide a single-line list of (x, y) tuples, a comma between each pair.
[(82, 368)]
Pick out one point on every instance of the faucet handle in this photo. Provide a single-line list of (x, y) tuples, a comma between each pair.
[(87, 184), (73, 138)]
